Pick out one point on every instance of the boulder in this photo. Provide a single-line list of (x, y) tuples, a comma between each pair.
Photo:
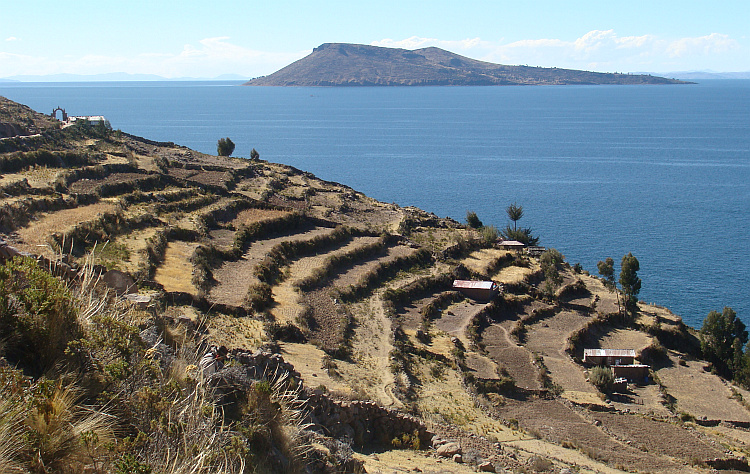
[(448, 450), (119, 281)]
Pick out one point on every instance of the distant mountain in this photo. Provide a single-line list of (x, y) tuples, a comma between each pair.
[(342, 64), (114, 77), (697, 75)]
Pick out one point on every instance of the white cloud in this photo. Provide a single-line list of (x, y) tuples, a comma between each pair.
[(211, 57), (11, 38), (600, 50), (714, 43)]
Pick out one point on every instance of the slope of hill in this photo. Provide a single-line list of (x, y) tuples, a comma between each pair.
[(342, 64), (350, 349)]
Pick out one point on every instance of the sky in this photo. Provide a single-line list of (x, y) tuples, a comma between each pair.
[(250, 38)]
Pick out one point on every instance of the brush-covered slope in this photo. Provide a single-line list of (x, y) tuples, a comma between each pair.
[(343, 64)]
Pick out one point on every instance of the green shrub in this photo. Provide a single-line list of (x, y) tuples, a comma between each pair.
[(602, 378), (489, 234), (38, 317)]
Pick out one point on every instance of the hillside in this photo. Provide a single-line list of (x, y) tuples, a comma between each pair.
[(350, 350), (341, 64)]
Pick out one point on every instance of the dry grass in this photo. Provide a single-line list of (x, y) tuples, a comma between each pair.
[(512, 274), (237, 332), (176, 272), (479, 261), (34, 236)]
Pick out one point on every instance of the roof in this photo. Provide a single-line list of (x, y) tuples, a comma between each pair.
[(512, 243), (475, 284), (608, 353)]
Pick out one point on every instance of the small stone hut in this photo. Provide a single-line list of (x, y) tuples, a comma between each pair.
[(476, 289), (608, 357)]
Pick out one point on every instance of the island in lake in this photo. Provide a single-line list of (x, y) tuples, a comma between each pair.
[(344, 64)]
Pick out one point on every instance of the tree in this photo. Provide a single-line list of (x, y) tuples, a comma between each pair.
[(225, 147), (607, 270), (629, 281), (551, 261), (722, 337), (515, 213), (472, 220), (489, 234)]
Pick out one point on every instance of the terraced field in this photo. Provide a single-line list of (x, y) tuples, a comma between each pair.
[(357, 295)]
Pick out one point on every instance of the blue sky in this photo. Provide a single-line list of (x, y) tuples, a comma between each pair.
[(252, 38)]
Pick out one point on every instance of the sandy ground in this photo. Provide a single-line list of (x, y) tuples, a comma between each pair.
[(625, 339), (511, 274), (478, 261), (455, 319), (517, 360), (136, 243), (549, 338), (235, 332)]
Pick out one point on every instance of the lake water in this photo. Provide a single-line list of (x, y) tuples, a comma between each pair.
[(659, 171)]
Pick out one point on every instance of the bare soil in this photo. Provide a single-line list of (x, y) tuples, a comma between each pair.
[(235, 277), (517, 360)]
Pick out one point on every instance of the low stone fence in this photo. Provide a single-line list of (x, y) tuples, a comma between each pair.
[(364, 422)]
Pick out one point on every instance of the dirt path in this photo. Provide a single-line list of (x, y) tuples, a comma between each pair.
[(234, 278)]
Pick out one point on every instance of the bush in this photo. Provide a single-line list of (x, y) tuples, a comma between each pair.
[(38, 317), (489, 234), (472, 220), (602, 378), (224, 147)]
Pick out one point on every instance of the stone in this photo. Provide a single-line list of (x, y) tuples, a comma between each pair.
[(457, 458), (119, 281), (486, 466), (448, 450)]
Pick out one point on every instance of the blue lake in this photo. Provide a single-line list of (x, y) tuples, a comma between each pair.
[(659, 171)]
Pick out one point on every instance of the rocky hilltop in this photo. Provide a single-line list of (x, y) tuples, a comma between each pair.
[(123, 260), (343, 64)]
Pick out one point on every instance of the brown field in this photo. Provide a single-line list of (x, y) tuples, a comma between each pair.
[(235, 277)]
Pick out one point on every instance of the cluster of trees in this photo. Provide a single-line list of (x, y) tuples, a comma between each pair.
[(724, 343), (630, 283)]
